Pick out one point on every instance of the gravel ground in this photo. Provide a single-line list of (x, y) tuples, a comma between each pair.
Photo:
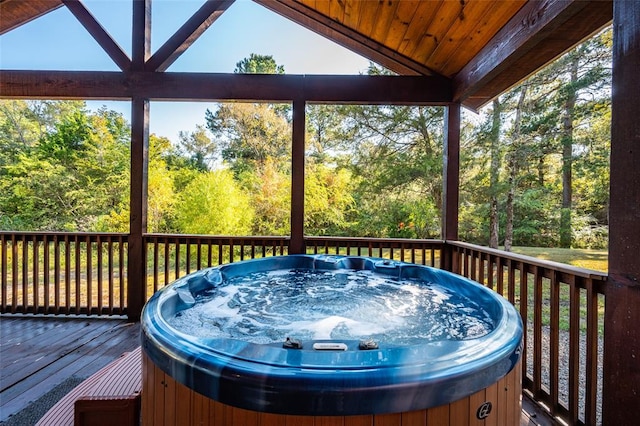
[(563, 384)]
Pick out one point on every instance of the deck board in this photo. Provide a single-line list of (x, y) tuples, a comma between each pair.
[(45, 351), (24, 353), (25, 358), (38, 353)]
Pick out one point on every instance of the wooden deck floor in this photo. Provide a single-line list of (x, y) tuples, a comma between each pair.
[(39, 353)]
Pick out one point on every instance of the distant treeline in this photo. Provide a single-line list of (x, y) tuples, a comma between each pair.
[(534, 165)]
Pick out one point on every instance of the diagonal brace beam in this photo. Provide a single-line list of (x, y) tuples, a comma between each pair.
[(96, 30), (187, 34)]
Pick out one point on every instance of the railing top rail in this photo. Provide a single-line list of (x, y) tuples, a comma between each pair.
[(368, 240), (219, 237), (63, 234), (557, 266)]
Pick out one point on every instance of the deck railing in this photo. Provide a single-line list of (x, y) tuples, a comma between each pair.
[(423, 252), (562, 306), (172, 256), (63, 273)]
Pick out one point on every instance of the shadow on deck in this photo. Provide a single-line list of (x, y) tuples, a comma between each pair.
[(43, 358)]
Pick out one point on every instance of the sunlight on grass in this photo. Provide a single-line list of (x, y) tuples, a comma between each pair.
[(597, 260)]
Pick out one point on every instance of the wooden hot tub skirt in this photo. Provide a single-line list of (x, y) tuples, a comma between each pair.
[(167, 402)]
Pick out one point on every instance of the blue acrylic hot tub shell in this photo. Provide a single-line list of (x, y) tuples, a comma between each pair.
[(273, 379)]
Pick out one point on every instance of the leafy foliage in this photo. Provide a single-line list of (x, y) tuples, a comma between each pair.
[(213, 203), (248, 134), (67, 177)]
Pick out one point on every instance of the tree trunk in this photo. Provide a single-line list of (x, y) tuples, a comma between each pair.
[(508, 233), (567, 157), (513, 169), (494, 175)]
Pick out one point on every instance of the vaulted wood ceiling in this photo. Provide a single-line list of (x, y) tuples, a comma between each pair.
[(482, 47)]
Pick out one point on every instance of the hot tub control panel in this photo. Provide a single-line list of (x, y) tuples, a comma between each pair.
[(329, 346)]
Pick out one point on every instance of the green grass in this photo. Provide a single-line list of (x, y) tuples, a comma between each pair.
[(597, 260)]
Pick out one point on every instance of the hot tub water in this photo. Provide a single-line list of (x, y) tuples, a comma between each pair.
[(307, 304)]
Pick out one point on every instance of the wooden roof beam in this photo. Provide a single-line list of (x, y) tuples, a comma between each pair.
[(187, 34), (100, 35), (511, 48), (140, 34), (352, 40), (14, 13), (384, 90)]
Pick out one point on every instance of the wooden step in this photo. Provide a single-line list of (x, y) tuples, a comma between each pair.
[(110, 396)]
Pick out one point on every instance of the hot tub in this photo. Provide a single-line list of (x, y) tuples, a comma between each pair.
[(293, 338)]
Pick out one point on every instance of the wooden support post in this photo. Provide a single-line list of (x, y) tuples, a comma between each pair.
[(136, 256), (450, 181), (296, 244), (621, 387), (136, 263)]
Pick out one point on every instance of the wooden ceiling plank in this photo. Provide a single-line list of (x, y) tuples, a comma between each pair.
[(405, 12), (190, 31), (418, 26), (535, 36), (382, 24), (367, 19), (345, 37), (486, 28), (14, 13), (447, 16), (323, 6), (336, 10), (462, 29), (352, 12), (385, 90), (100, 35)]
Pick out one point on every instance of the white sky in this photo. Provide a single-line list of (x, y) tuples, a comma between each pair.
[(57, 41)]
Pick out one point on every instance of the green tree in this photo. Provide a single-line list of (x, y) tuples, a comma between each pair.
[(571, 87), (70, 175), (270, 191), (248, 134), (515, 159), (327, 199), (486, 187), (198, 148), (214, 204), (20, 130), (395, 153), (161, 196), (258, 64), (494, 174), (161, 200), (548, 139), (325, 138)]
